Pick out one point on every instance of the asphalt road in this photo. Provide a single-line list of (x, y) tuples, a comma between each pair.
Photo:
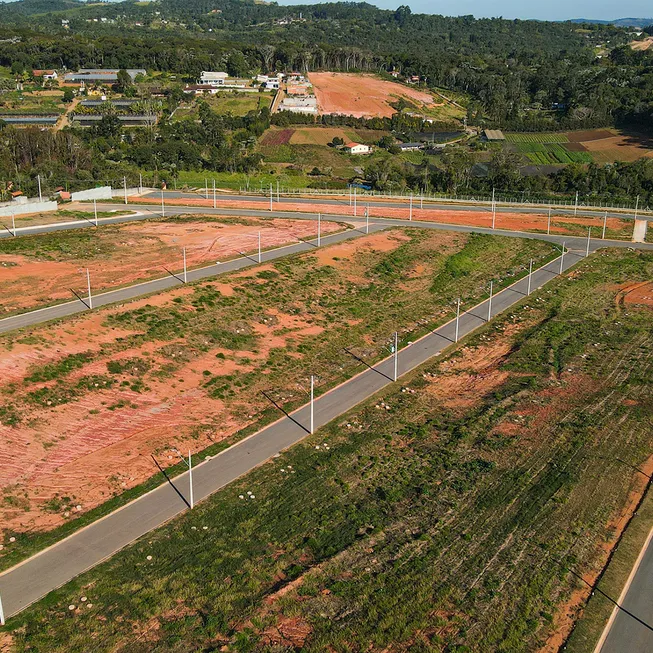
[(53, 567), (627, 635), (362, 200), (57, 311)]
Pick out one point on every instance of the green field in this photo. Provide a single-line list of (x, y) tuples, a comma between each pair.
[(552, 153), (542, 137), (236, 104), (448, 522)]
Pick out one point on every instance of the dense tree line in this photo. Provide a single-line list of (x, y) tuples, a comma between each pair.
[(456, 173), (515, 71)]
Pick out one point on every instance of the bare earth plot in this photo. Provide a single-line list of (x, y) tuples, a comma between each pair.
[(607, 146), (616, 228), (42, 269), (446, 513), (362, 96), (85, 402)]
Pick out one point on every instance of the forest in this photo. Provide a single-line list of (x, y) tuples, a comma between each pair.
[(519, 75), (512, 69)]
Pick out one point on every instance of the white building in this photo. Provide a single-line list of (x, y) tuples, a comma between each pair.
[(357, 148), (210, 78), (307, 104)]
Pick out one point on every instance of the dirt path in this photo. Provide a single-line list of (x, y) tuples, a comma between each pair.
[(64, 121)]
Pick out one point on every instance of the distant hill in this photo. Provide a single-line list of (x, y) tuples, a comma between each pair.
[(619, 22), (33, 7)]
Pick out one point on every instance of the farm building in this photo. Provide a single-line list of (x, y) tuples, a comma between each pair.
[(306, 104), (29, 121), (410, 147), (357, 148), (102, 76), (210, 78), (493, 135)]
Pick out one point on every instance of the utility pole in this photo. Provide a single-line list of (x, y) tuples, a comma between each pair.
[(214, 198), (312, 403), (421, 200), (206, 188), (530, 275), (2, 613), (88, 284), (163, 206), (562, 257), (396, 354), (270, 197), (494, 210), (355, 207), (13, 223), (140, 183), (548, 224), (636, 206), (95, 210), (259, 246), (605, 224), (319, 229), (38, 178), (576, 205), (124, 182), (489, 304), (410, 215), (185, 273), (278, 193), (190, 479), (367, 219), (457, 318), (589, 236)]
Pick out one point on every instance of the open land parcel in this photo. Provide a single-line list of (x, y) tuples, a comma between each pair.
[(451, 506)]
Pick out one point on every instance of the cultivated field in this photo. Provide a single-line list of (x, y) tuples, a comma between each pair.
[(445, 514), (540, 137), (363, 96), (85, 402), (44, 269), (599, 145)]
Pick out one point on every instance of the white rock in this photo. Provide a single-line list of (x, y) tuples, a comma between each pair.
[(12, 539), (149, 557), (71, 607), (83, 599)]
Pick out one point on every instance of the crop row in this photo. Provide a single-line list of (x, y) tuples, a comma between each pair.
[(544, 137)]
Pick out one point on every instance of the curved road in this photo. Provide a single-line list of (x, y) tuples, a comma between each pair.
[(56, 311)]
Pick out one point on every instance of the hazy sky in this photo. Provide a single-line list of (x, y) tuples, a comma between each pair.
[(551, 10)]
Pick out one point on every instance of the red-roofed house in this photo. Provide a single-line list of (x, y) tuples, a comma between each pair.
[(46, 74), (357, 148)]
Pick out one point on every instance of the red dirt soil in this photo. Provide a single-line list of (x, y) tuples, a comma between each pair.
[(639, 294), (27, 282), (361, 95), (570, 611), (507, 221), (101, 443)]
